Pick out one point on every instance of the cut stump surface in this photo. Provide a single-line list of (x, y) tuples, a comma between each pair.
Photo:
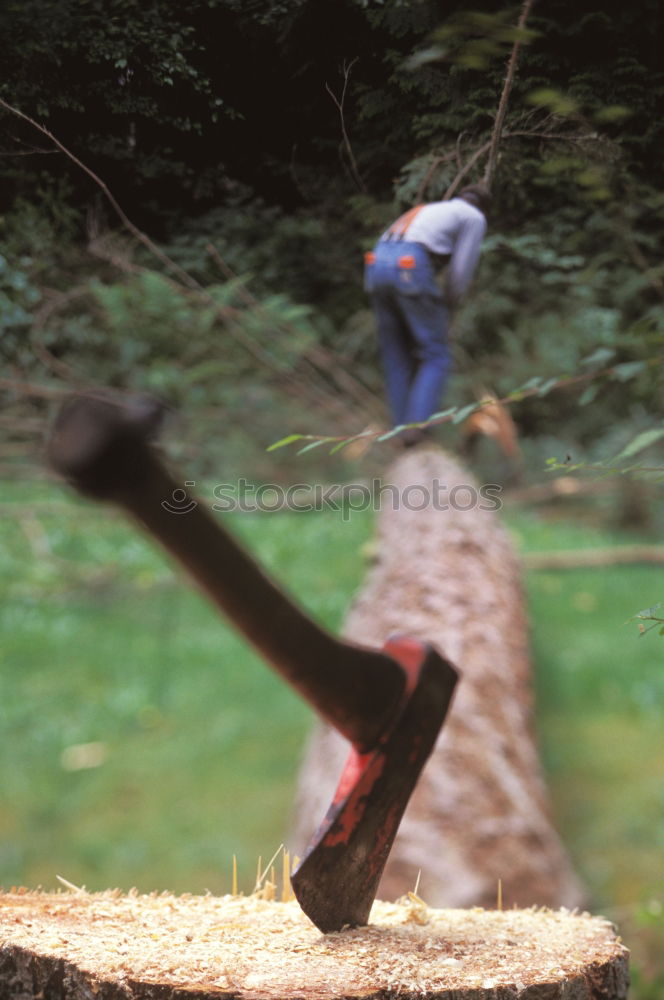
[(111, 946)]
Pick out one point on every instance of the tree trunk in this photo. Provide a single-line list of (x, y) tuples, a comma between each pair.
[(481, 812), (112, 947)]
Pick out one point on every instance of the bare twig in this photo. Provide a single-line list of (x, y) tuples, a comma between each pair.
[(20, 424), (347, 67), (32, 389), (457, 150), (299, 386), (468, 166), (504, 97), (316, 357), (436, 162), (576, 137), (60, 368), (184, 277), (249, 300), (452, 415), (638, 259), (27, 152)]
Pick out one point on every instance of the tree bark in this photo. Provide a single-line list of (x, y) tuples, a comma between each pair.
[(109, 946), (481, 811)]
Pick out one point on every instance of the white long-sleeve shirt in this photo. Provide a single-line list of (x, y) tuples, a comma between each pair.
[(455, 228)]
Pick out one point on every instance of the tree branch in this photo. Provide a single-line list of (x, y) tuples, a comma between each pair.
[(340, 105), (184, 277), (504, 97), (436, 162), (305, 386), (477, 155), (317, 358), (590, 558), (533, 133)]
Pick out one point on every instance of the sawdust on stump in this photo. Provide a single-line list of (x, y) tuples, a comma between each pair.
[(111, 946)]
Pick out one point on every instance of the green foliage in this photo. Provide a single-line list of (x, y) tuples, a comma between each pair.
[(137, 67), (255, 239), (473, 39), (17, 297), (213, 125), (649, 615), (163, 104)]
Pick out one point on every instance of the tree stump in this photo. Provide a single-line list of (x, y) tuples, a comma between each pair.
[(481, 811), (110, 946)]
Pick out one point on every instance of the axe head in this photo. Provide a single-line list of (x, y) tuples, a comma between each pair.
[(336, 882)]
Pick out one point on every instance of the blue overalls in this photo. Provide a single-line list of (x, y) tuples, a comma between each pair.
[(412, 320)]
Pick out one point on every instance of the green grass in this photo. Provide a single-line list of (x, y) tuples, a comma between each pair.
[(102, 643), (600, 700), (600, 692)]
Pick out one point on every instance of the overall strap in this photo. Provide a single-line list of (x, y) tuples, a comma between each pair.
[(398, 229)]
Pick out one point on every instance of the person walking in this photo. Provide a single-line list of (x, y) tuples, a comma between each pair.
[(411, 309)]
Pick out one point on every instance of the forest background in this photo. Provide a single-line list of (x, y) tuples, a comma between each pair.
[(263, 146), (187, 192)]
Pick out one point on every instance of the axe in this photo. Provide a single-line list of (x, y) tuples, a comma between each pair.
[(390, 703)]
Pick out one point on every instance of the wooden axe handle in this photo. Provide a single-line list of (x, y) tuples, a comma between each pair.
[(103, 449)]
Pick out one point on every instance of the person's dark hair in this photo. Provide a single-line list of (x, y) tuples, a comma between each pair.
[(478, 195)]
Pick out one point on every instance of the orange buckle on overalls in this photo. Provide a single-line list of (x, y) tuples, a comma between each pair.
[(407, 261), (369, 257)]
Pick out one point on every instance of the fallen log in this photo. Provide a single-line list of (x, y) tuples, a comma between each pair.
[(620, 555), (110, 946), (446, 571)]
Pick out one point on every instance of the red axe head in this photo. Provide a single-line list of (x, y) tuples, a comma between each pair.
[(337, 880)]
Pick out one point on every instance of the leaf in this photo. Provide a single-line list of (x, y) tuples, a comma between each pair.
[(612, 113), (341, 444), (311, 445), (284, 441), (441, 414), (532, 383), (628, 370), (641, 441), (554, 100), (547, 386), (588, 394), (433, 53), (599, 357), (647, 613), (392, 433), (464, 412)]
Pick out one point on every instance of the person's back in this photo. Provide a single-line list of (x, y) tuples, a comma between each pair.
[(411, 309), (452, 229)]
